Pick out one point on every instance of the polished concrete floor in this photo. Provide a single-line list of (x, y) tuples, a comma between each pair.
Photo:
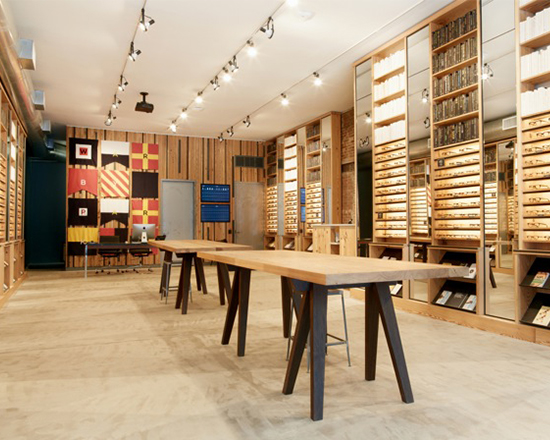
[(105, 359)]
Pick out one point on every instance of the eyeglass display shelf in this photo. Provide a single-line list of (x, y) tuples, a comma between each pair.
[(538, 311), (457, 295), (540, 265)]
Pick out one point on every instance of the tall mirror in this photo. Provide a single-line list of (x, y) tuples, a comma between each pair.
[(418, 120), (499, 115), (363, 139)]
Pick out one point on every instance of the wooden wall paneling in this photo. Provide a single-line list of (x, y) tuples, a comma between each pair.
[(195, 173), (220, 178), (232, 147), (172, 166)]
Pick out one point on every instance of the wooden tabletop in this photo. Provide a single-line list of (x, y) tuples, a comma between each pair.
[(193, 246), (332, 270)]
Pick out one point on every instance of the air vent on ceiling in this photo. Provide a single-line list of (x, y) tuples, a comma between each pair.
[(249, 161), (509, 123)]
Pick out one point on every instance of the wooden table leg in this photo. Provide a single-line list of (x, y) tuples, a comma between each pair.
[(372, 314), (298, 344), (286, 292), (231, 309), (182, 299), (318, 332), (199, 270), (389, 322), (163, 283), (244, 294), (197, 275)]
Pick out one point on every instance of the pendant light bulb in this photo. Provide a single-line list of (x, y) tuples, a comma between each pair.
[(252, 51), (284, 99), (317, 81)]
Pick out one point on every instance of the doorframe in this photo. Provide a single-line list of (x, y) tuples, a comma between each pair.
[(235, 210)]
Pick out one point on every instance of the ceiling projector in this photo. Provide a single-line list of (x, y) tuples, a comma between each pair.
[(144, 106)]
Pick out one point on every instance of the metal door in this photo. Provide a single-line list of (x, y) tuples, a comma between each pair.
[(249, 214), (177, 206)]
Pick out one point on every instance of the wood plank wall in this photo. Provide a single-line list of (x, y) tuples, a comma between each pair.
[(204, 160)]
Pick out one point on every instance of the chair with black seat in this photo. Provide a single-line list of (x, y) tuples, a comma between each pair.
[(166, 273), (108, 254), (140, 253)]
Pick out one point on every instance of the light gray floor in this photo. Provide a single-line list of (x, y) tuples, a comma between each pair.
[(105, 359)]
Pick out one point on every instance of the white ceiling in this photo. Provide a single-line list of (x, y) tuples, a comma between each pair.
[(82, 46)]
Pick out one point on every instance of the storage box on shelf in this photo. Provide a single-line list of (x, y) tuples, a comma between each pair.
[(390, 144), (335, 239)]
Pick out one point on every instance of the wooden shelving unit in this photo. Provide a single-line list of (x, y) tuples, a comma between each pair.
[(456, 153), (314, 202), (335, 239), (271, 193), (390, 144), (12, 177), (291, 187), (419, 199)]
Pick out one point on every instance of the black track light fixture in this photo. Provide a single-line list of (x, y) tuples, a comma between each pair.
[(220, 137), (215, 83), (116, 102), (134, 53), (230, 131), (246, 122), (122, 84), (233, 66), (173, 127), (110, 119), (269, 28), (145, 22)]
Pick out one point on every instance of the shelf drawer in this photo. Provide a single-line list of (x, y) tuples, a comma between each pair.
[(537, 173), (536, 160), (536, 224), (540, 198), (536, 122), (530, 186), (536, 135), (536, 148)]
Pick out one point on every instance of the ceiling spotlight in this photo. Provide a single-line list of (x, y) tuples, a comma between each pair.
[(427, 122), (199, 99), (317, 81), (230, 132), (183, 114), (226, 76), (269, 28), (425, 96), (220, 137), (173, 127), (486, 72), (122, 84), (368, 118), (284, 99), (134, 53), (364, 143), (116, 102), (246, 122), (145, 22), (215, 83), (252, 51), (110, 119), (233, 66)]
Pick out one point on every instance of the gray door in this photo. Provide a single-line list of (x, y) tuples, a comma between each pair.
[(249, 214), (177, 206)]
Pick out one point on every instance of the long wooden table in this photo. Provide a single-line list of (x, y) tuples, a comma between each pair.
[(313, 275), (187, 251)]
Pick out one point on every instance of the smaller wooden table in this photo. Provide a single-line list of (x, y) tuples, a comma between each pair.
[(187, 251), (314, 274)]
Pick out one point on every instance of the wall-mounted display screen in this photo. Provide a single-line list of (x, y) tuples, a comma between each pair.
[(213, 213), (215, 193)]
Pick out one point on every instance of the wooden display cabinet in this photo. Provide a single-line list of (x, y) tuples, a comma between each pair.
[(393, 252), (335, 239), (419, 200)]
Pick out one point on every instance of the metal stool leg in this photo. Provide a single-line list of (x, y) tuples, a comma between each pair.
[(167, 281), (345, 327)]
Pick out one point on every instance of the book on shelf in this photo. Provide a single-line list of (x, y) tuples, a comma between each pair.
[(543, 316), (534, 25), (535, 101), (443, 297), (389, 64), (539, 279), (455, 55), (454, 29), (457, 300), (470, 303)]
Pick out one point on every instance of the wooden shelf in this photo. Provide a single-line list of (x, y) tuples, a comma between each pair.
[(454, 42), (390, 97), (457, 144), (457, 92), (454, 67), (458, 118), (535, 5), (387, 75), (388, 121), (538, 41), (538, 78)]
